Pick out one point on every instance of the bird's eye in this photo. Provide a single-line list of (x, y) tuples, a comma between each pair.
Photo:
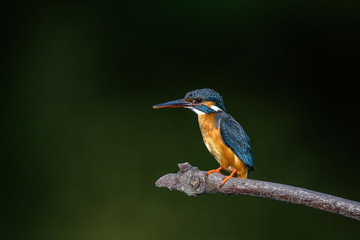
[(197, 100)]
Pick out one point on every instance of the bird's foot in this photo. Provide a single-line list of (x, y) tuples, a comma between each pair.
[(228, 177), (215, 170)]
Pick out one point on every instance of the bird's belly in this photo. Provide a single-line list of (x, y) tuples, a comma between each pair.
[(218, 154), (214, 143)]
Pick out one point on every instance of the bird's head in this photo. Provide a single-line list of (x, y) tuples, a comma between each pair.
[(201, 101)]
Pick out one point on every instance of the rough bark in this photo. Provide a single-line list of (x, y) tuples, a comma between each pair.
[(193, 182)]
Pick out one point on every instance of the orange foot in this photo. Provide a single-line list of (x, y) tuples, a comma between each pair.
[(228, 177), (216, 170)]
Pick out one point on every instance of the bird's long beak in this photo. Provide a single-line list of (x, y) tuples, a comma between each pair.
[(174, 104)]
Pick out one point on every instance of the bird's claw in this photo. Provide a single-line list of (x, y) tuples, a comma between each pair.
[(212, 171), (215, 170), (225, 179)]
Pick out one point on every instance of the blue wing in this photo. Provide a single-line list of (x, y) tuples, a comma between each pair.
[(235, 138)]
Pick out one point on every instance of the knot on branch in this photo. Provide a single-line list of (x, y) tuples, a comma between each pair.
[(188, 180)]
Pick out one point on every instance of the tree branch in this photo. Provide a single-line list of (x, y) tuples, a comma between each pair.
[(193, 182)]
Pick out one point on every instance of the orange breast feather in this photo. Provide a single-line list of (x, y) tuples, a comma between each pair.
[(213, 141)]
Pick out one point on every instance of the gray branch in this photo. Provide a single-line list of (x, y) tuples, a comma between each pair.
[(193, 182)]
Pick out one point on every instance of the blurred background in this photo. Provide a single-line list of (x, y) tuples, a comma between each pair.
[(82, 146)]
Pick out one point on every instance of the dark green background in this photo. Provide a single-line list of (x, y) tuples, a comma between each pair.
[(82, 146)]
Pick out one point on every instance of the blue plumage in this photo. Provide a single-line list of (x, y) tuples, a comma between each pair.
[(208, 95), (235, 138)]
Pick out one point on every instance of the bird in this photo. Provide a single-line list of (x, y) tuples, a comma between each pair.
[(223, 136)]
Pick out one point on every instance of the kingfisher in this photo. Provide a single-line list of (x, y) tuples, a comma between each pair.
[(223, 136)]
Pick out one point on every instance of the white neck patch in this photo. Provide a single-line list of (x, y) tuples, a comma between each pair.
[(215, 108)]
